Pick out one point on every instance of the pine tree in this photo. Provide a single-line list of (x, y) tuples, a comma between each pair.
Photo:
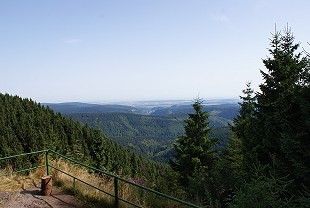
[(274, 124), (274, 129), (244, 124), (230, 170), (283, 110), (195, 151)]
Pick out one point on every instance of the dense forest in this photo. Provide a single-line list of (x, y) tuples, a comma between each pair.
[(264, 164), (150, 129), (149, 135), (146, 135), (27, 126)]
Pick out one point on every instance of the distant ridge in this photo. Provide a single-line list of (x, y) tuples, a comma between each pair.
[(139, 107), (76, 107), (149, 127)]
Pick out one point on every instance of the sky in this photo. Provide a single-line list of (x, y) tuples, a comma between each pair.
[(135, 50)]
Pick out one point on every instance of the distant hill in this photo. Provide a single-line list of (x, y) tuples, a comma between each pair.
[(148, 129), (75, 107), (178, 108), (224, 112), (132, 125)]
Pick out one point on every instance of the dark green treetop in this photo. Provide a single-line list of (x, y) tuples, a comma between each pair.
[(243, 126), (274, 124), (195, 151)]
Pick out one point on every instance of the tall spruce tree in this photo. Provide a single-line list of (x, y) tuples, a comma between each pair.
[(275, 129), (244, 124), (283, 110), (195, 151)]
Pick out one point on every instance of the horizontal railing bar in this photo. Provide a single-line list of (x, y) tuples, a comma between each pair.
[(129, 182), (30, 153), (82, 181), (160, 194), (121, 199), (24, 170), (86, 166)]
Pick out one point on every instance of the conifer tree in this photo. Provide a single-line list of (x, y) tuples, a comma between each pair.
[(275, 128), (195, 151), (244, 124), (283, 110)]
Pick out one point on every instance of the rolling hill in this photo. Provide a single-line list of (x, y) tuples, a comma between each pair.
[(148, 129)]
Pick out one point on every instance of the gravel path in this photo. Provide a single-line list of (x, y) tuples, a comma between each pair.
[(32, 198)]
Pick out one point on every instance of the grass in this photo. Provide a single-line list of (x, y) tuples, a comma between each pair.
[(96, 198), (87, 194), (14, 182)]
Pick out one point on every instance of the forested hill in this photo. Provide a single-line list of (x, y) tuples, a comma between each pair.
[(224, 108), (26, 126), (76, 107), (149, 131)]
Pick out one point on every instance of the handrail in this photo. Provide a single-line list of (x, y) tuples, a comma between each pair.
[(19, 155), (23, 154), (24, 170), (115, 177)]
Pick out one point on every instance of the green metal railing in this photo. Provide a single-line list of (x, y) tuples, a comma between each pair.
[(27, 169), (116, 178)]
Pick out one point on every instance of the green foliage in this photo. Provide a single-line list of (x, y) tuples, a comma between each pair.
[(196, 155), (283, 110), (151, 136), (132, 125), (26, 126), (195, 151), (243, 126), (263, 191), (229, 171), (274, 128)]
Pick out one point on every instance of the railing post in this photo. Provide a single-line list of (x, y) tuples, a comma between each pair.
[(47, 163), (116, 191)]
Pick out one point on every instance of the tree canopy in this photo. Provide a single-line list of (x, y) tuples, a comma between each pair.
[(195, 152), (274, 124)]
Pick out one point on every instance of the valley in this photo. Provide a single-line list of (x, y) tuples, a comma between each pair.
[(149, 128)]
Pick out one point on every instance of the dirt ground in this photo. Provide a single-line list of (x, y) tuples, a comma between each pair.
[(32, 198)]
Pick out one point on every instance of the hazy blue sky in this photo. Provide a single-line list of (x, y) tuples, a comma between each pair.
[(117, 50)]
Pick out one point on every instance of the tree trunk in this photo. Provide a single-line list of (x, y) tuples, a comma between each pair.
[(46, 185)]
